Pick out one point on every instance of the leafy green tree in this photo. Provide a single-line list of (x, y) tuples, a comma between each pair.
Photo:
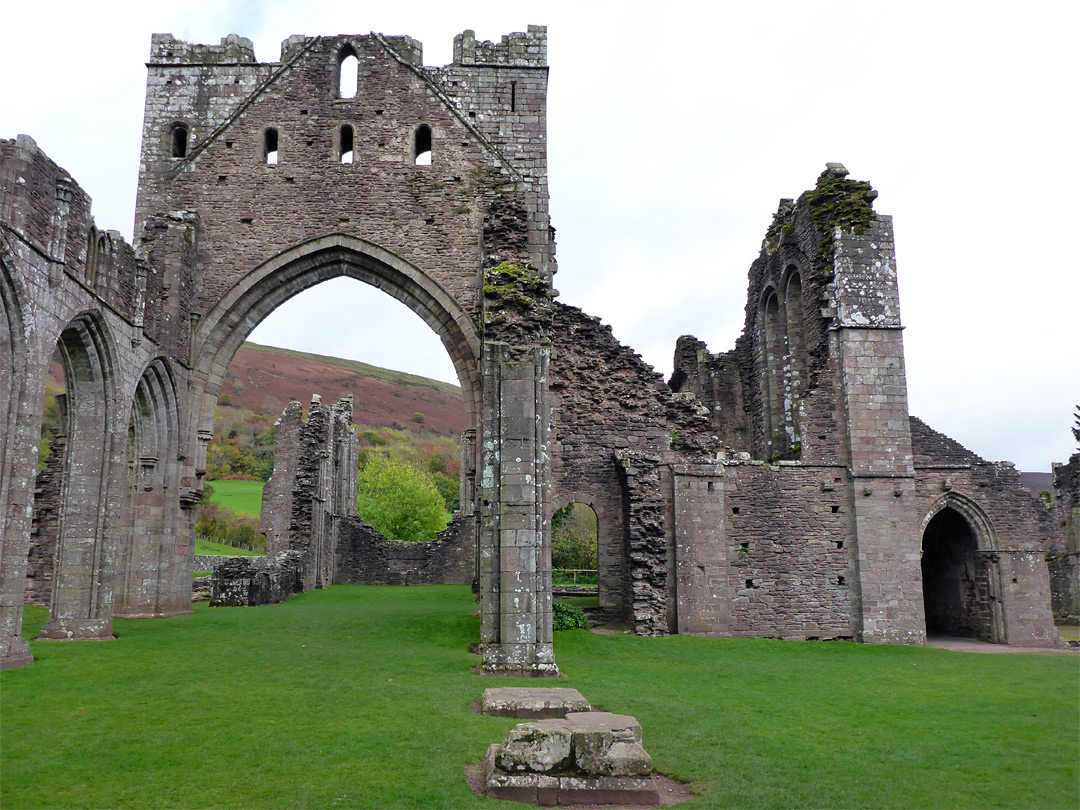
[(573, 537), (399, 499), (1076, 430)]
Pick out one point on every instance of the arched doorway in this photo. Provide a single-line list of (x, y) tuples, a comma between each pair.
[(959, 579)]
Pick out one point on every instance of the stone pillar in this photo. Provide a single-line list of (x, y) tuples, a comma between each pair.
[(869, 350), (515, 539)]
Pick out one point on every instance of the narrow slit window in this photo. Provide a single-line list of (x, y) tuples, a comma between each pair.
[(179, 141), (513, 96), (346, 148), (422, 150), (348, 72), (270, 147)]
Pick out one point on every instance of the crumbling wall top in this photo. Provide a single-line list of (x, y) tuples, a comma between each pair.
[(519, 49), (167, 49)]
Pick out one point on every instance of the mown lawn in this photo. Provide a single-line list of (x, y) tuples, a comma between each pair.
[(359, 697), (204, 546), (240, 496)]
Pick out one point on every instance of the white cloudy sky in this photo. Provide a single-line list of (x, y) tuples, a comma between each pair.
[(674, 129)]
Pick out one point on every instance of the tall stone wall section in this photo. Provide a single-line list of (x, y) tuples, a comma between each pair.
[(66, 284), (1065, 560), (615, 425), (284, 204)]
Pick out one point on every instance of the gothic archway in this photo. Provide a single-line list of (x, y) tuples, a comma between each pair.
[(151, 555), (264, 289), (81, 605), (960, 572)]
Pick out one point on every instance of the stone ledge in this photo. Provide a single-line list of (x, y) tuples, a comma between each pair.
[(532, 702)]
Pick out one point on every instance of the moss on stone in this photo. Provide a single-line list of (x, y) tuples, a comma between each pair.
[(513, 285), (837, 201)]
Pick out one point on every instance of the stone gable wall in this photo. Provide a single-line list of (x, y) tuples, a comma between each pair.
[(251, 211)]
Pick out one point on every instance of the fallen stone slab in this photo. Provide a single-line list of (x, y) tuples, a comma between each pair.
[(528, 702)]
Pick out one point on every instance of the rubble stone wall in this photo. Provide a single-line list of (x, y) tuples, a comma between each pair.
[(1065, 562), (366, 557)]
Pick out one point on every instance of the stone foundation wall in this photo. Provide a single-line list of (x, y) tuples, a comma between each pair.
[(208, 562), (253, 581)]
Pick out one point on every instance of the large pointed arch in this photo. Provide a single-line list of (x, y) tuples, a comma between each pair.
[(82, 589), (268, 286), (150, 554)]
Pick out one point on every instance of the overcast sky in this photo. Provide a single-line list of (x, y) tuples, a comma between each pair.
[(674, 129)]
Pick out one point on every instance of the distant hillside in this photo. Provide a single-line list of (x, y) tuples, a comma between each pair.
[(263, 379)]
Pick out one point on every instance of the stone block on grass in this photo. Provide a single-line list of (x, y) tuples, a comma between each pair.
[(532, 702)]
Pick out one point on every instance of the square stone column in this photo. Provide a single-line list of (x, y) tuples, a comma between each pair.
[(869, 352), (514, 485)]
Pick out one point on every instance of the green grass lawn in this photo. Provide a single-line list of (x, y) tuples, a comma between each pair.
[(240, 496), (359, 697), (210, 547)]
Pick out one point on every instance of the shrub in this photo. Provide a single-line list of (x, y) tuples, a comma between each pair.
[(568, 617), (399, 499)]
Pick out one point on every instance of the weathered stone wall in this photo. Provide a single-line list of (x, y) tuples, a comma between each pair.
[(45, 527), (254, 581), (66, 285), (790, 551), (614, 413), (207, 562), (1065, 562), (277, 503), (252, 210), (366, 557)]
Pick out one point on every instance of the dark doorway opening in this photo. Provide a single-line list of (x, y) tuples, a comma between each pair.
[(957, 592)]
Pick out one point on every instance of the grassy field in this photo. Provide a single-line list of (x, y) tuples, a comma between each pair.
[(359, 697), (210, 547), (240, 496)]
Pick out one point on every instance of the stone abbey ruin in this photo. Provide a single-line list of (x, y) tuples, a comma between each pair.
[(779, 489)]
